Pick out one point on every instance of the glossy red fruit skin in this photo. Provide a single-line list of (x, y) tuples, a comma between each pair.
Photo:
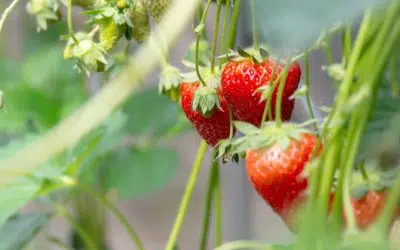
[(240, 81), (212, 129), (276, 174)]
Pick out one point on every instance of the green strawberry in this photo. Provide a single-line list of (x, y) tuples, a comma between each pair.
[(140, 22), (110, 33), (157, 8)]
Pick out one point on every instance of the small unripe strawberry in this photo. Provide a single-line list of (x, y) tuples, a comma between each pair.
[(157, 8), (110, 33), (140, 22)]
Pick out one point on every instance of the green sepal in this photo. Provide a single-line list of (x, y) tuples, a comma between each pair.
[(256, 55), (45, 12), (89, 54), (223, 149), (205, 100), (335, 71), (170, 80), (300, 92), (265, 137)]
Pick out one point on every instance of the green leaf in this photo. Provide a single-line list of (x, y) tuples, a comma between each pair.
[(136, 173), (292, 24), (150, 114), (20, 229)]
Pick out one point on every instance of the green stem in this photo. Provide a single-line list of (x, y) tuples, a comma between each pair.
[(254, 25), (215, 38), (391, 205), (120, 217), (223, 46), (198, 37), (90, 244), (244, 244), (69, 20), (347, 42), (231, 123), (273, 82), (6, 12), (307, 82), (199, 14), (278, 115), (208, 205), (218, 206), (234, 23), (186, 196)]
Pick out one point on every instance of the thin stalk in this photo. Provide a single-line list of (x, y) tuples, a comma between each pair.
[(254, 25), (215, 38), (307, 82), (198, 37), (85, 236), (69, 20), (218, 206), (347, 41), (208, 205), (234, 23), (6, 12), (120, 217), (281, 87), (187, 196), (268, 102), (223, 47)]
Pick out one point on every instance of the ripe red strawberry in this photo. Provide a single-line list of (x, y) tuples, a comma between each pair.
[(212, 128), (240, 81), (276, 174)]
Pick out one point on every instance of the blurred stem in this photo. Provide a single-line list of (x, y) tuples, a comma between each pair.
[(223, 46), (120, 217), (6, 12), (215, 38), (273, 82), (83, 234), (198, 37), (187, 196), (69, 20), (208, 204), (234, 24), (199, 14), (307, 82), (243, 244), (347, 42), (254, 25), (218, 205), (283, 76)]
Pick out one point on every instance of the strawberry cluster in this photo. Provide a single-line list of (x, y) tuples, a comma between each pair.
[(243, 97)]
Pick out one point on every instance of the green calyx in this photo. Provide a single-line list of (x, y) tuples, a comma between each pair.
[(205, 100), (170, 80), (265, 137), (256, 55), (45, 12), (370, 177), (89, 54)]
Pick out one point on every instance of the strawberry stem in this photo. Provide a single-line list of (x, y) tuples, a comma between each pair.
[(69, 20), (308, 99), (215, 38), (83, 234), (254, 25), (347, 42), (187, 196), (267, 108), (218, 205), (198, 36), (223, 47), (117, 213), (208, 205), (281, 87), (234, 23), (6, 12)]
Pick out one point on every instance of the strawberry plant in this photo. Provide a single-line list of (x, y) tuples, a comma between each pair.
[(67, 141)]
